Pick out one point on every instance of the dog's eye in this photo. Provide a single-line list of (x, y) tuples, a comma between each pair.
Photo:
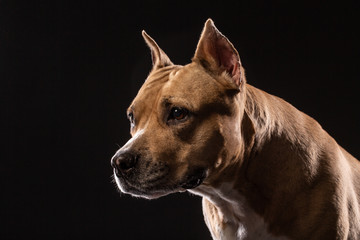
[(177, 113), (131, 118)]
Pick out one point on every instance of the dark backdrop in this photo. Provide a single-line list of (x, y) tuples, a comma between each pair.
[(69, 69)]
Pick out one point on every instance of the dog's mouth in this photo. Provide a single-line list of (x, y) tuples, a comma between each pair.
[(195, 179), (163, 186)]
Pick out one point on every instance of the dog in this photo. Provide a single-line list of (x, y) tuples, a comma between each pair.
[(264, 169)]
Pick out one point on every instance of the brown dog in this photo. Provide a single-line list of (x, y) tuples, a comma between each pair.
[(265, 170)]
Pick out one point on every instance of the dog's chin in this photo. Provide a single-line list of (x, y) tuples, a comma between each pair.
[(156, 191), (147, 195), (143, 191)]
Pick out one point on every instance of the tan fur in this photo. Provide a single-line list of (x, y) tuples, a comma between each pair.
[(272, 172)]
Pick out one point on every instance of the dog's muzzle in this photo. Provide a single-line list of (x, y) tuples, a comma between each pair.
[(142, 177)]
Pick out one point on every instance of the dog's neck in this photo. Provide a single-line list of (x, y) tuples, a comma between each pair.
[(257, 125), (271, 116), (284, 138)]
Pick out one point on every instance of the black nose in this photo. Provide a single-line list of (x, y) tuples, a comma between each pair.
[(124, 162)]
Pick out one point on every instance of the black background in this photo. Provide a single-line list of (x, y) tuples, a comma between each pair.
[(69, 69)]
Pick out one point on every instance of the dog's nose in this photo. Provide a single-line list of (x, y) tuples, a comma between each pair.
[(124, 162)]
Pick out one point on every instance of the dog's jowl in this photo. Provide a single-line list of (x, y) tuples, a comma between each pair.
[(264, 169)]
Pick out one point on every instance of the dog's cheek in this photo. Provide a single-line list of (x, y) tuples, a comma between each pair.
[(183, 148), (207, 148), (185, 132)]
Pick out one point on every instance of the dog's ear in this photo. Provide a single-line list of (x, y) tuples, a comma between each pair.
[(159, 58), (216, 53)]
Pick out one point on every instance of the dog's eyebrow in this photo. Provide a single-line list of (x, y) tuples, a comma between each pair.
[(167, 100), (173, 100)]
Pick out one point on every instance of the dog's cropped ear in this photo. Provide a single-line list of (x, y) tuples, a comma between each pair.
[(159, 58), (216, 53)]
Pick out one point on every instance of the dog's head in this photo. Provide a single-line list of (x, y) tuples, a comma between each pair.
[(185, 120)]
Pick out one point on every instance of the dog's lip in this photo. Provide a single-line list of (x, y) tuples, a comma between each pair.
[(195, 182)]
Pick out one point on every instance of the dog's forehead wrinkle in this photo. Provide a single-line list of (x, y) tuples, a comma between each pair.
[(162, 75), (154, 83)]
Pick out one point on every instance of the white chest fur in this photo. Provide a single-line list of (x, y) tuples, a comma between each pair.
[(229, 217)]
